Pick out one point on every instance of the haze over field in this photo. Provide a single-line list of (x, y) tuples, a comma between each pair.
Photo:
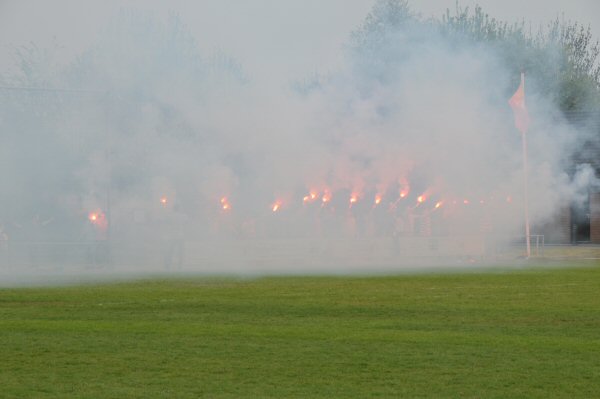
[(201, 136)]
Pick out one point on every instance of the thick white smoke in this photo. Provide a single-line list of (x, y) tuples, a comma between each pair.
[(190, 163)]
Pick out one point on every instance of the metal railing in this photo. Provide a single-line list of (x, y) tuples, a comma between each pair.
[(537, 243)]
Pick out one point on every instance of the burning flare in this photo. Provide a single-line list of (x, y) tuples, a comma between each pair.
[(93, 217), (326, 198), (163, 200), (310, 197), (225, 204), (276, 206), (98, 219), (377, 199)]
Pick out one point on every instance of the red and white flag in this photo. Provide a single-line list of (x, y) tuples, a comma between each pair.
[(517, 103)]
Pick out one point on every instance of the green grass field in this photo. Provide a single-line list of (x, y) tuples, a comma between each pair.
[(502, 333)]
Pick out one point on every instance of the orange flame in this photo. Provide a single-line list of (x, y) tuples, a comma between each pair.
[(326, 198), (98, 218), (377, 199), (310, 197), (404, 191), (276, 205), (225, 204), (353, 200), (421, 199)]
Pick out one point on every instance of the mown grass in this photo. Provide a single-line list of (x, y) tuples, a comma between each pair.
[(526, 333)]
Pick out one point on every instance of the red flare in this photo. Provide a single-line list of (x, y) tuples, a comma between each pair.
[(225, 204), (276, 206), (163, 200), (98, 219), (377, 199), (310, 197)]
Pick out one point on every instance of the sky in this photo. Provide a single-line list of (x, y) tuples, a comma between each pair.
[(288, 39)]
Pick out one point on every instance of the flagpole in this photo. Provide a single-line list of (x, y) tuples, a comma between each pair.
[(525, 181), (526, 191)]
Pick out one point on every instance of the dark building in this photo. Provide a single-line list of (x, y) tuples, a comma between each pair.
[(580, 222)]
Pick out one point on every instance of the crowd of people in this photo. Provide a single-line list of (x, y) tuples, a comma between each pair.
[(166, 227)]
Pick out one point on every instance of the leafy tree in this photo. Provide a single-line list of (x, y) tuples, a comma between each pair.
[(562, 60), (382, 40)]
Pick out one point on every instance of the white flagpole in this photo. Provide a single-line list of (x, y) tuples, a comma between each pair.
[(526, 185)]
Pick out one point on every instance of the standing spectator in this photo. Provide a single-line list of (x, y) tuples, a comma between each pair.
[(3, 245), (175, 237), (36, 236)]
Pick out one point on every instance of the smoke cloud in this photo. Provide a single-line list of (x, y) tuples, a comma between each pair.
[(149, 153)]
